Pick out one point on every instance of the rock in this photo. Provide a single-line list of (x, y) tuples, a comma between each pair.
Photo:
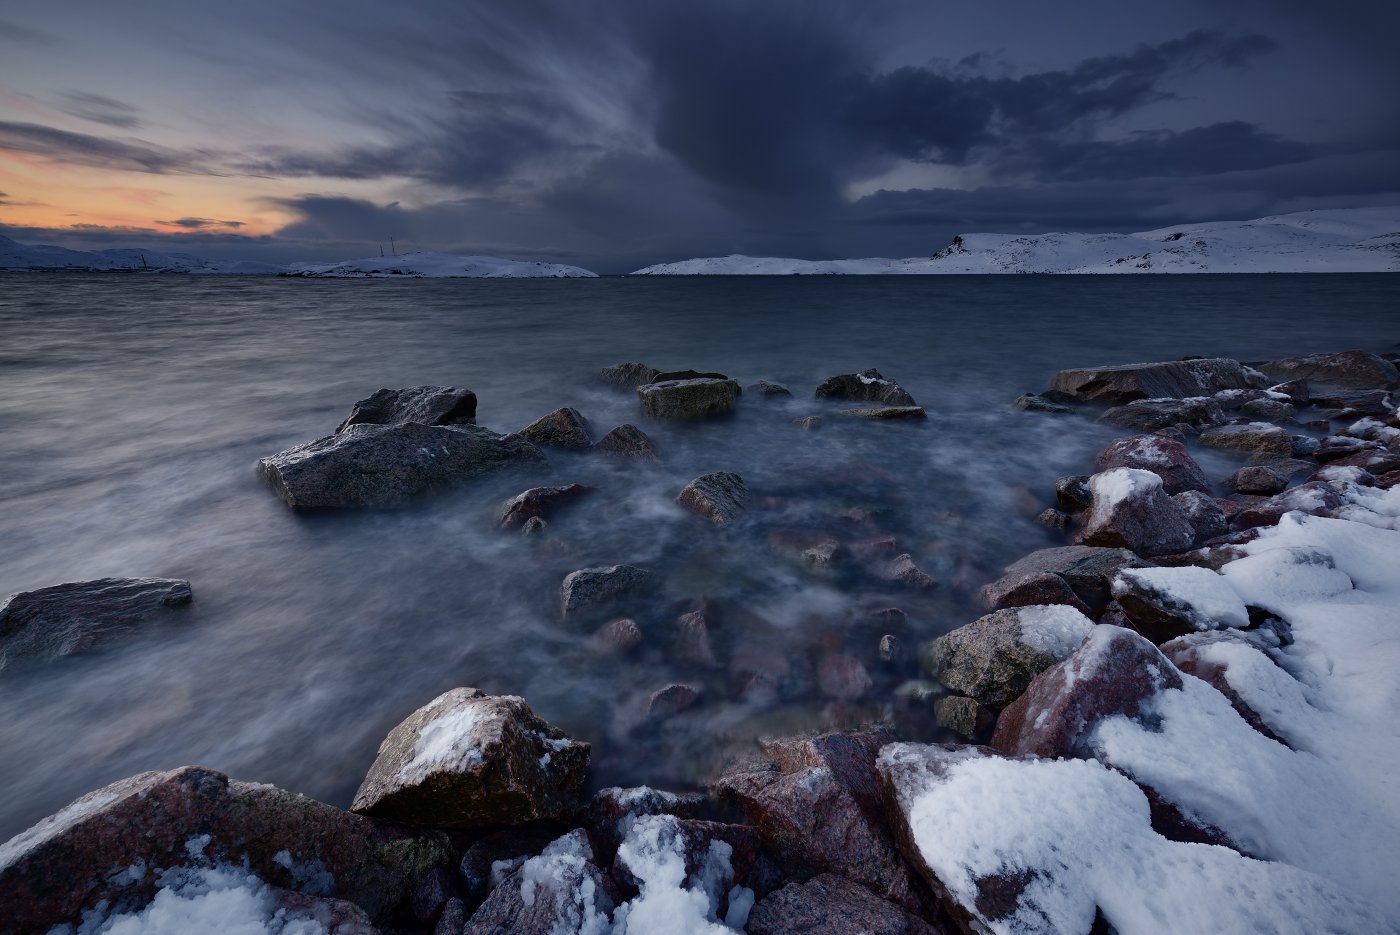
[(668, 375), (843, 677), (559, 891), (829, 904), (627, 376), (994, 658), (533, 526), (500, 853), (886, 413), (1176, 379), (1132, 511), (44, 625), (1348, 368), (541, 502), (1033, 402), (692, 646), (1297, 391), (720, 497), (63, 866), (1164, 603), (816, 804), (1165, 457), (866, 386), (1303, 445), (562, 428), (1315, 498), (1256, 479), (964, 716), (620, 636), (1031, 589), (1203, 513), (1254, 438), (1337, 447), (1388, 480), (902, 569), (1362, 402), (591, 589), (1072, 493), (1190, 654), (1113, 674), (807, 423), (1151, 415), (470, 760), (611, 811), (769, 390), (1051, 518), (453, 918), (700, 398), (366, 466), (426, 405), (891, 650), (628, 441), (667, 702), (1086, 569), (1268, 410)]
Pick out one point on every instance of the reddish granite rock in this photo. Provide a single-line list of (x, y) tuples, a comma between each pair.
[(1253, 438), (1347, 368), (720, 497), (1132, 511), (1316, 498), (628, 441), (1152, 415), (1175, 379), (563, 428), (541, 502), (829, 904), (1165, 457)]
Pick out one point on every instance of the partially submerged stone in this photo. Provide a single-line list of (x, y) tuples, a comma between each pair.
[(1151, 415), (1254, 438), (1088, 570), (770, 389), (1175, 379), (867, 386), (1347, 368), (367, 466), (44, 625), (470, 760), (1131, 511), (563, 428), (628, 441), (428, 405), (1165, 457), (720, 497), (590, 590), (538, 502), (627, 376), (1034, 402), (885, 413), (683, 400), (904, 570)]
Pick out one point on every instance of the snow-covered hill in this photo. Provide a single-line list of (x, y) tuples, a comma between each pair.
[(18, 256), (439, 265), (1352, 240)]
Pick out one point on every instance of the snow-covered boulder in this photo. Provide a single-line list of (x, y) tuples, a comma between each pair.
[(695, 398), (1087, 570), (867, 386), (1164, 603), (430, 405), (471, 760), (1131, 511), (1175, 379), (563, 428), (1315, 497), (720, 497), (373, 466), (995, 657), (46, 624), (1165, 457), (559, 890)]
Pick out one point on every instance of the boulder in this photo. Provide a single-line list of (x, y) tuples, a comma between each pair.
[(541, 502), (843, 677), (1164, 603), (610, 813), (618, 636), (561, 890), (770, 390), (63, 866), (816, 804), (1347, 368), (681, 400), (1256, 479), (1165, 457), (867, 386), (563, 428), (1176, 379), (1151, 415), (1087, 570), (903, 570), (1029, 590), (1132, 511), (1072, 493), (692, 640), (994, 658), (44, 625), (366, 466), (1357, 402), (829, 904), (807, 423), (964, 716), (720, 497), (1034, 402), (886, 413), (470, 760), (628, 441), (1298, 392), (1193, 655), (500, 853), (590, 590), (1315, 498), (667, 702), (1253, 438), (1269, 410), (627, 376), (1203, 513), (426, 405)]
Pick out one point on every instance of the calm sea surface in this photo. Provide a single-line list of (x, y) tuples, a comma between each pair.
[(133, 409)]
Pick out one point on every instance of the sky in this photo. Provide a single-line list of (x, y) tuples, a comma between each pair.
[(617, 133)]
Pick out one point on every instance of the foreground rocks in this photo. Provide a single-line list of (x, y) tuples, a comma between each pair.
[(471, 760), (720, 497), (1131, 511), (563, 428), (427, 405), (1348, 368), (44, 625), (700, 397), (829, 904)]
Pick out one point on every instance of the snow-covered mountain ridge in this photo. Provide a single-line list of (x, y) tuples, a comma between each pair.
[(1347, 240), (439, 266)]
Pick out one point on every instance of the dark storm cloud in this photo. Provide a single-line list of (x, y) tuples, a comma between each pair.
[(203, 224), (99, 109), (102, 152)]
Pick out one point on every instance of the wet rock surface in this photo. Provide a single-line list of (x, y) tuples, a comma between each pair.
[(829, 904), (1254, 438), (1347, 368), (628, 441), (688, 399), (1151, 415), (1132, 511), (427, 405), (1128, 382), (563, 428), (627, 376), (1165, 457), (866, 386), (538, 502), (720, 497), (591, 590)]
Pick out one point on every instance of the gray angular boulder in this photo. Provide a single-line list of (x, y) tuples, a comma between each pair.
[(867, 386), (1165, 457), (429, 405), (470, 760), (563, 428), (628, 441), (592, 590), (885, 413), (538, 502), (1175, 379), (43, 625), (64, 865), (688, 399), (1253, 438), (627, 376), (371, 466), (1347, 368), (829, 904), (1131, 511), (1152, 415), (1203, 513), (720, 497), (1088, 570), (994, 658)]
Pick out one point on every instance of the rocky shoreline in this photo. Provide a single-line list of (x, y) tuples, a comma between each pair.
[(1134, 713)]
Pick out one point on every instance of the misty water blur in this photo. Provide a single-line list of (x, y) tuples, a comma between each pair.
[(135, 407)]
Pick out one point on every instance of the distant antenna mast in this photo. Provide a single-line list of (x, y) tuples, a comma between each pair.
[(144, 264), (381, 249), (393, 249)]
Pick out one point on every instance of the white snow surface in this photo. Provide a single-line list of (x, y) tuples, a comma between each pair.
[(1054, 628), (1113, 487), (1204, 596), (18, 256), (1350, 240), (447, 741), (440, 266)]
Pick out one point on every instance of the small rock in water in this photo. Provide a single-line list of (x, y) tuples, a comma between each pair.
[(1034, 402), (620, 636), (902, 569), (43, 625), (886, 412), (770, 389), (692, 645), (964, 716), (563, 428), (537, 503), (686, 399), (720, 497), (891, 650), (843, 677), (1255, 438), (1256, 479), (1072, 493), (667, 702), (868, 386), (429, 405), (1053, 519), (591, 589), (627, 376), (807, 423), (628, 441), (533, 526)]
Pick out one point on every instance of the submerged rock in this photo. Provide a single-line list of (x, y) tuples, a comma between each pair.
[(367, 466), (1175, 379), (1165, 457), (720, 497), (563, 428), (1132, 511), (589, 590), (428, 405), (470, 760), (538, 503), (628, 441), (868, 386), (43, 625), (682, 400), (627, 376)]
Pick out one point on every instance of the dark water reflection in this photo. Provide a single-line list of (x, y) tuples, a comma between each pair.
[(133, 409)]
